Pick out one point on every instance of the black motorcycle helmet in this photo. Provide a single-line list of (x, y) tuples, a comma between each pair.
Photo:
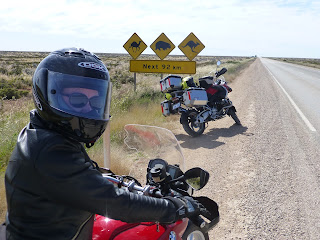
[(72, 93)]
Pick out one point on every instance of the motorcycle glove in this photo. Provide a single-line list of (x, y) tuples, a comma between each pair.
[(186, 207)]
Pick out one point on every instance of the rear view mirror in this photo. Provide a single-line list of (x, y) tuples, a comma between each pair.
[(197, 178), (218, 63)]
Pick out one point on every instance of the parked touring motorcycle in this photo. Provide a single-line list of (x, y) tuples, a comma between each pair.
[(190, 99), (163, 178)]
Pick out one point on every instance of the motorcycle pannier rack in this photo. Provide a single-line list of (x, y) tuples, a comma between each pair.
[(170, 83), (165, 107), (195, 97)]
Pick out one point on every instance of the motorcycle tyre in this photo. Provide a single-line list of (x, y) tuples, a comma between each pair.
[(197, 231), (185, 121), (232, 113)]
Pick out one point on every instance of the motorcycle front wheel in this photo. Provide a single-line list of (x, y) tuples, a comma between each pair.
[(193, 232), (232, 113), (189, 125)]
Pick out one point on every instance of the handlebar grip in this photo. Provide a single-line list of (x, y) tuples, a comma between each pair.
[(205, 219), (157, 194), (133, 186), (204, 212), (222, 71)]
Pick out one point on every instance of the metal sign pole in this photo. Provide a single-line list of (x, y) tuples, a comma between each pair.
[(135, 81), (106, 147)]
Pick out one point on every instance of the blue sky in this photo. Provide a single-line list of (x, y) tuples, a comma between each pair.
[(279, 28)]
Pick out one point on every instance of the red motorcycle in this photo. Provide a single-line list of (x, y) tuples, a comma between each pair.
[(163, 178)]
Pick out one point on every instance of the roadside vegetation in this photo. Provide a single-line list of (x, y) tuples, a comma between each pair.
[(140, 107), (309, 62)]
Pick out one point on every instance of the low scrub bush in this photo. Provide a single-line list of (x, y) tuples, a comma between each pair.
[(12, 93), (309, 62), (16, 70), (3, 70), (120, 78)]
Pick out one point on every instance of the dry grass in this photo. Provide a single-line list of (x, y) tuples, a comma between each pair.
[(3, 202), (13, 117)]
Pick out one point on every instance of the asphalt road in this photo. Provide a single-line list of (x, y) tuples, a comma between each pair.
[(265, 174), (302, 84)]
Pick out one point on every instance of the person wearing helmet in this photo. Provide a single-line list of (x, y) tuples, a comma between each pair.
[(53, 188)]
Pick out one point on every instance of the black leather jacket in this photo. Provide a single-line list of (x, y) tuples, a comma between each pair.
[(53, 190)]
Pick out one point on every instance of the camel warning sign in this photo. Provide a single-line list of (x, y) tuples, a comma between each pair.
[(135, 46), (191, 46), (162, 46)]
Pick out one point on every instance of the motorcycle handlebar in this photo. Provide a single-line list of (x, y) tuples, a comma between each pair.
[(210, 211), (146, 190), (222, 71)]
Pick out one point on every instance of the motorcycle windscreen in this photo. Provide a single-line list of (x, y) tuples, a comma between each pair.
[(150, 142)]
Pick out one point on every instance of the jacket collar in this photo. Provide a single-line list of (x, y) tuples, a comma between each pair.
[(36, 121)]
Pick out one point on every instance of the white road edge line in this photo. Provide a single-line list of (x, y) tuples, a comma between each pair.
[(293, 103)]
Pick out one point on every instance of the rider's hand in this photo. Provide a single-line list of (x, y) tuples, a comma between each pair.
[(186, 206)]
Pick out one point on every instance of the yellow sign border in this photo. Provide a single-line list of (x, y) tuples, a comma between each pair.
[(163, 66)]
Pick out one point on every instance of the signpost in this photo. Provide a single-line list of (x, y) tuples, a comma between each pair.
[(191, 46), (135, 46)]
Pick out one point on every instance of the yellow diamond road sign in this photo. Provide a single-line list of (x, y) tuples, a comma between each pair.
[(135, 46), (162, 46), (191, 46)]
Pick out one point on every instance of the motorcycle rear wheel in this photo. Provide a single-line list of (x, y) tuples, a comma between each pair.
[(189, 125), (193, 232), (234, 116)]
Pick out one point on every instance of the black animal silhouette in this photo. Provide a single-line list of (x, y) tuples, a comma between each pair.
[(162, 45), (135, 45), (192, 45)]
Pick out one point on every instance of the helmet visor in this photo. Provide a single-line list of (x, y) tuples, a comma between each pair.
[(79, 96)]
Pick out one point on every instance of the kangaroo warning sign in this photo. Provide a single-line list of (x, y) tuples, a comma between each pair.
[(162, 46), (191, 46), (135, 46)]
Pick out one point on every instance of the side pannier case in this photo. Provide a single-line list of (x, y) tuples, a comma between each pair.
[(171, 83), (194, 97), (165, 107)]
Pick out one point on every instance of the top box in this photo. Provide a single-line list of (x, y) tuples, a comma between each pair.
[(171, 83)]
